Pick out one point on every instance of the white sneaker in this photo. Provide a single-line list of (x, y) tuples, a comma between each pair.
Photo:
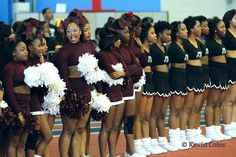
[(138, 147), (219, 133), (146, 142), (156, 146), (233, 124), (142, 151), (175, 139), (134, 155), (211, 134), (180, 145), (194, 139), (201, 137), (164, 144), (191, 136), (154, 150), (183, 135), (229, 130)]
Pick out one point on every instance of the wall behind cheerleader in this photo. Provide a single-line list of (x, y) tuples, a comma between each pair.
[(180, 9), (118, 5), (7, 13)]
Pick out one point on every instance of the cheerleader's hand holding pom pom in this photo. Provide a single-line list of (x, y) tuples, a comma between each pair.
[(21, 118), (117, 74)]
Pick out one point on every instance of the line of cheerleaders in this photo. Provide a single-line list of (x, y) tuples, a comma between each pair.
[(147, 68)]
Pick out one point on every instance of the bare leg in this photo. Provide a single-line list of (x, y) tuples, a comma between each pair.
[(176, 104), (147, 114), (155, 113), (13, 144), (195, 110), (51, 119), (184, 115), (21, 146), (112, 139), (228, 104), (105, 130), (78, 135), (65, 139), (161, 117), (140, 116), (212, 101)]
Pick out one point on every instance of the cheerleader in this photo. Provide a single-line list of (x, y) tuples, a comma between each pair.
[(3, 121), (229, 105), (74, 116), (109, 60), (142, 142), (86, 38), (135, 69), (160, 70), (29, 33), (50, 117), (218, 78), (17, 94), (137, 47), (204, 60), (177, 81), (195, 82)]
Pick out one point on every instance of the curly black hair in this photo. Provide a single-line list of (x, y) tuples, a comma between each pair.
[(190, 22), (144, 33), (174, 29), (212, 24), (160, 26), (228, 17)]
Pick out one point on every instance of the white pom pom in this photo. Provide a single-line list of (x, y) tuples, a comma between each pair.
[(88, 67), (100, 102), (53, 97), (141, 81), (46, 74), (33, 76), (109, 80), (118, 67), (3, 104), (49, 73)]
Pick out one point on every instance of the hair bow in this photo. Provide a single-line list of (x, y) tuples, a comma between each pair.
[(77, 13), (35, 22), (70, 19), (130, 13)]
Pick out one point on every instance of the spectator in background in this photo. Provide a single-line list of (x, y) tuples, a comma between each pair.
[(59, 32), (51, 41), (6, 34), (48, 16), (16, 25)]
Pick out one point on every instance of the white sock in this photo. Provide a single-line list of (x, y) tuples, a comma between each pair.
[(35, 155)]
